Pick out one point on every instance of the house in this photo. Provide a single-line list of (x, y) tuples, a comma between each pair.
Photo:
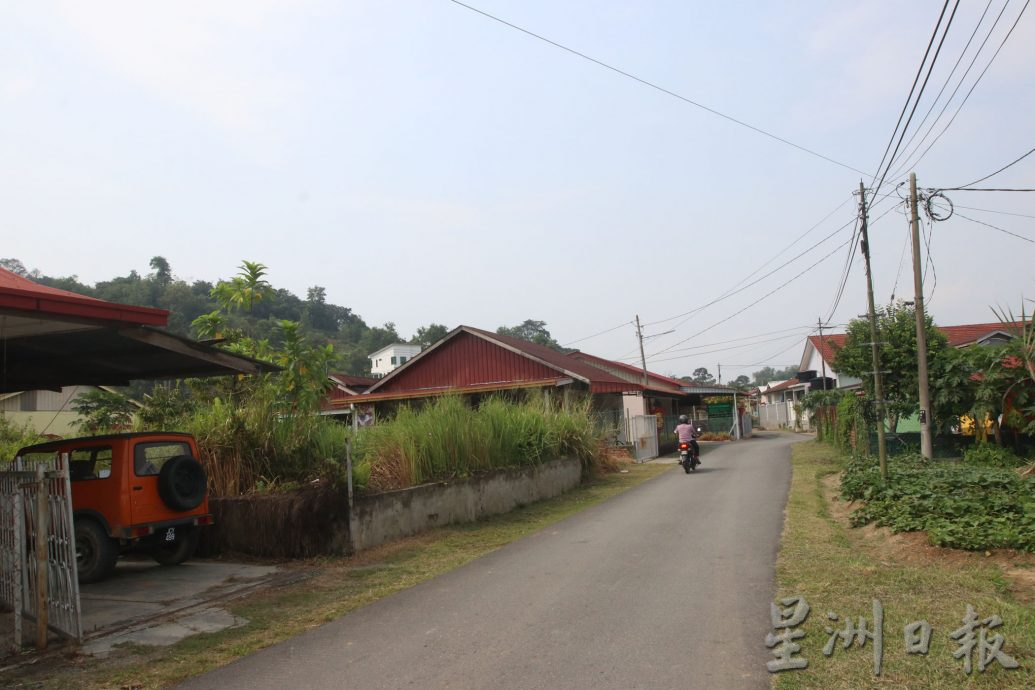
[(389, 357), (473, 362), (48, 413)]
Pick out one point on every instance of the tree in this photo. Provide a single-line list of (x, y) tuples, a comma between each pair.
[(427, 336), (245, 289), (162, 271), (15, 266), (742, 382), (701, 375), (769, 374), (103, 412), (534, 332), (896, 328)]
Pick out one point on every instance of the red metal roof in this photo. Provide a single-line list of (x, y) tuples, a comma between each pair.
[(472, 360), (18, 294), (656, 382), (829, 346), (789, 383)]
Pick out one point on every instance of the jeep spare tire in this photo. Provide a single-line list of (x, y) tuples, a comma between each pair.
[(182, 483)]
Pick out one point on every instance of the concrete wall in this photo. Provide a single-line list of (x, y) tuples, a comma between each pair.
[(383, 517)]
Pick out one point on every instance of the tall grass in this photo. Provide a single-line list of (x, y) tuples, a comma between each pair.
[(254, 444), (448, 438)]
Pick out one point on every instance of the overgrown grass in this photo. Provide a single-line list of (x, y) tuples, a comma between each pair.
[(339, 585), (959, 505), (253, 445), (841, 570), (448, 438)]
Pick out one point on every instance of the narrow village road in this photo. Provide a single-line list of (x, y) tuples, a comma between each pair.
[(667, 585)]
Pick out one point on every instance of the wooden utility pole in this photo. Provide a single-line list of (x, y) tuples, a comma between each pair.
[(878, 384), (822, 359), (643, 357), (926, 446)]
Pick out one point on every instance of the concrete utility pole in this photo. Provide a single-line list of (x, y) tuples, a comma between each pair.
[(643, 357), (822, 359), (878, 384), (720, 374), (926, 446)]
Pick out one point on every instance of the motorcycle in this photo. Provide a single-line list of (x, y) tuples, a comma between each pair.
[(687, 457)]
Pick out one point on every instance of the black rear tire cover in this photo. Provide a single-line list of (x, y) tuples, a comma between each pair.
[(182, 483)]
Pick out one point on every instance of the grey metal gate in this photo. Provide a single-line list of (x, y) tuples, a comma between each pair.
[(21, 535), (643, 433)]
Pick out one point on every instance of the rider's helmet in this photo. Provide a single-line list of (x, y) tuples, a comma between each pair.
[(683, 419)]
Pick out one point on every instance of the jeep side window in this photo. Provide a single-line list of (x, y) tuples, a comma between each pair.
[(90, 463), (148, 458)]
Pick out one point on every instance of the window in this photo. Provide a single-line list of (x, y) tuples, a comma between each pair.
[(393, 360), (148, 458), (402, 359), (90, 463)]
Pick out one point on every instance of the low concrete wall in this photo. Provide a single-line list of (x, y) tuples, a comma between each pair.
[(382, 517)]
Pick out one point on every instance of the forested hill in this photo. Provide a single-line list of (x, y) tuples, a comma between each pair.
[(322, 321)]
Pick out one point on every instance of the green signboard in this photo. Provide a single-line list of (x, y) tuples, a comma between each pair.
[(723, 409)]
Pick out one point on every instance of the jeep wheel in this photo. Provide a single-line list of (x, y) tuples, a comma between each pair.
[(95, 552), (182, 483), (176, 552)]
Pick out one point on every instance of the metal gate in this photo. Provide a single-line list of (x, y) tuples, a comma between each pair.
[(643, 433), (31, 492)]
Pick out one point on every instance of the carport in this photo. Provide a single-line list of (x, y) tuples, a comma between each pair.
[(51, 338)]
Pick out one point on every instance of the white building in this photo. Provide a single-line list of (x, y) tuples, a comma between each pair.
[(391, 357)]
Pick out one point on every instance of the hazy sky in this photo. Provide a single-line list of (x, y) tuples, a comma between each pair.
[(427, 164)]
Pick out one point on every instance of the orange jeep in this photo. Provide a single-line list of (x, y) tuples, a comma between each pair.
[(140, 491)]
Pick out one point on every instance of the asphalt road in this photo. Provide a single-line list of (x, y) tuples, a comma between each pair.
[(665, 586)]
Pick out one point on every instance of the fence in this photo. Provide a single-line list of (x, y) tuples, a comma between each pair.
[(38, 577), (782, 416)]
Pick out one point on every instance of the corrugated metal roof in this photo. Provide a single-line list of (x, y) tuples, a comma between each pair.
[(471, 359)]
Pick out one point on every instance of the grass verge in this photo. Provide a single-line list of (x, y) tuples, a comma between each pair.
[(337, 586), (842, 570)]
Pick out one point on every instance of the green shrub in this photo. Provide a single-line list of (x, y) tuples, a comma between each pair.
[(14, 437), (958, 505), (991, 455)]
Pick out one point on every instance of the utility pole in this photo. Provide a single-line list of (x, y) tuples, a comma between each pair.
[(926, 447), (720, 374), (878, 384), (822, 359), (643, 357)]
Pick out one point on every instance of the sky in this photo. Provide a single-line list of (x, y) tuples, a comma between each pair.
[(428, 164)]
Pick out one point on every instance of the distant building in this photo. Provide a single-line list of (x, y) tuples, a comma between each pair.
[(390, 357)]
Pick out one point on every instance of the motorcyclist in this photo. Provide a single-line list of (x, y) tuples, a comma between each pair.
[(687, 434)]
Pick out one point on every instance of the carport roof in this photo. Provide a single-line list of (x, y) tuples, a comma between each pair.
[(52, 338)]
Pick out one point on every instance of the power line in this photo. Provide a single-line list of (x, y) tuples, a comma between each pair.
[(588, 337), (692, 351), (732, 291), (768, 294), (994, 227), (972, 86), (905, 106), (652, 85), (948, 79), (988, 210), (998, 171), (983, 189)]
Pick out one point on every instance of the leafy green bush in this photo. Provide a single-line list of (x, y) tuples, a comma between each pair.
[(14, 437), (958, 505), (991, 455), (448, 438)]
